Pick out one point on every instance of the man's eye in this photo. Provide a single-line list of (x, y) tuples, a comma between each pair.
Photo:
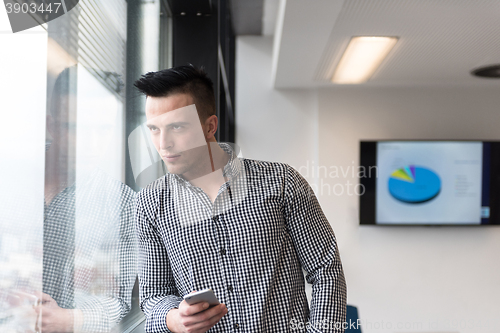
[(177, 127), (153, 129)]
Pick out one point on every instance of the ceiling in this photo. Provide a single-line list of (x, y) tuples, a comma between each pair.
[(440, 41), (247, 16), (255, 17)]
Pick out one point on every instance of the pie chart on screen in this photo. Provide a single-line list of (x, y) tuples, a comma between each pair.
[(414, 184)]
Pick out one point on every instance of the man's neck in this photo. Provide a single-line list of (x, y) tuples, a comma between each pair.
[(57, 175), (212, 181)]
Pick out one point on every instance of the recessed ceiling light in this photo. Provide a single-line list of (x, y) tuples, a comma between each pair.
[(361, 58), (492, 72)]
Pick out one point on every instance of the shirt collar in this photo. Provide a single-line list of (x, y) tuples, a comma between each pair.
[(232, 168)]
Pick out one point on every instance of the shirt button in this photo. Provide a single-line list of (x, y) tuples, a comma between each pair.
[(222, 251), (216, 218), (230, 288), (236, 325)]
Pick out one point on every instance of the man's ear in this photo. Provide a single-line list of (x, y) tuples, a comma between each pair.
[(211, 127)]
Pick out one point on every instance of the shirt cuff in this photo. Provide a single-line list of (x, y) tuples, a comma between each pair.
[(93, 317), (156, 321)]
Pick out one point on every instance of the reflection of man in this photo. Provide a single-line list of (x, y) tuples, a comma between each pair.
[(194, 233), (89, 245)]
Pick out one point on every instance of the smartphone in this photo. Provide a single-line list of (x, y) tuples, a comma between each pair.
[(205, 295)]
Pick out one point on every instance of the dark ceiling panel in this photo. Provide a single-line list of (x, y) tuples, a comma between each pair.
[(190, 8), (247, 16)]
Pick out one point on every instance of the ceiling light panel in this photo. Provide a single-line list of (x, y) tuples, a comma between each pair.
[(361, 58)]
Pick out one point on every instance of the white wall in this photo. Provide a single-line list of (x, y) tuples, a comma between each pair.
[(271, 125), (403, 279), (424, 278)]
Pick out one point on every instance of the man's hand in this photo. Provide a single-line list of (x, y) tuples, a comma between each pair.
[(196, 318), (53, 318)]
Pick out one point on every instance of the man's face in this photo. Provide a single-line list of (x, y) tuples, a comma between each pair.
[(177, 133), (61, 129)]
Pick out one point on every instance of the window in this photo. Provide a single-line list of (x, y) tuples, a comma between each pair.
[(67, 200)]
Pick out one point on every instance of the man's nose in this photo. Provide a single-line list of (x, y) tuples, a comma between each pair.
[(166, 140)]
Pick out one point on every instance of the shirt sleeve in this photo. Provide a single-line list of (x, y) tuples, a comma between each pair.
[(158, 293), (316, 247), (104, 310)]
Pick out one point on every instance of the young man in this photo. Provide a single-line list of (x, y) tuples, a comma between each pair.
[(241, 227)]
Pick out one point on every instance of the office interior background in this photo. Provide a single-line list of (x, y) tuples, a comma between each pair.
[(272, 62)]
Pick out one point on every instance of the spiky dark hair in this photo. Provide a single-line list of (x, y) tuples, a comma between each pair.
[(185, 79)]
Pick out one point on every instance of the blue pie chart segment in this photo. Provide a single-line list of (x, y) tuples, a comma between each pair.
[(421, 186)]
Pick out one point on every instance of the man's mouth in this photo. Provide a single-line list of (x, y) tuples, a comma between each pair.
[(170, 158)]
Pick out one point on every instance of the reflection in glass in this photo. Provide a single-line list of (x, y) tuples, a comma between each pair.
[(67, 241), (89, 253)]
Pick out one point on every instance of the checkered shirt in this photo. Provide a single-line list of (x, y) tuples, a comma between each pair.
[(249, 246), (90, 250)]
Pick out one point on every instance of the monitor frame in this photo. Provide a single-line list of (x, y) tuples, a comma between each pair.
[(491, 169)]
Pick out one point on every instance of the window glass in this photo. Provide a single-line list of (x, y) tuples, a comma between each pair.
[(67, 240), (22, 146)]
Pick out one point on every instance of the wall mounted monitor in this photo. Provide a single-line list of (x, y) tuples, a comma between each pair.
[(410, 182)]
